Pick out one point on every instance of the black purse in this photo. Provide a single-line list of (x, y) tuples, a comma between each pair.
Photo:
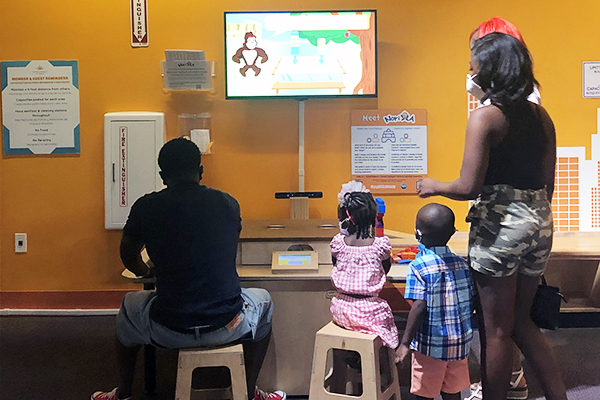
[(545, 310)]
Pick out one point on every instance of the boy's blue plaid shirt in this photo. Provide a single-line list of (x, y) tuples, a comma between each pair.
[(443, 280)]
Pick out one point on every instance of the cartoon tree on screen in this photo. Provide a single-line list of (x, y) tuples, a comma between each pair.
[(366, 38)]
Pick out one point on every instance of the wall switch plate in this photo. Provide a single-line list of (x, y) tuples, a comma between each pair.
[(20, 243)]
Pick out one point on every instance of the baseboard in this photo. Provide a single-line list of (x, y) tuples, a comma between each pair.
[(89, 300)]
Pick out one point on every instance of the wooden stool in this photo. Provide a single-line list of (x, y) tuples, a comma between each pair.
[(377, 369), (231, 357)]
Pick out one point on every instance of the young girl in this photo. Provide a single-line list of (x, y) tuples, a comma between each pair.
[(361, 262)]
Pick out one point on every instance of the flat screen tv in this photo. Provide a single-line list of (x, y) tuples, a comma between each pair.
[(300, 54)]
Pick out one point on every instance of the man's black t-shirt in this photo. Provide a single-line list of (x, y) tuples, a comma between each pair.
[(191, 234)]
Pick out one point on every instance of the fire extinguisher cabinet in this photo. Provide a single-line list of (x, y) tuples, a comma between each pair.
[(132, 141)]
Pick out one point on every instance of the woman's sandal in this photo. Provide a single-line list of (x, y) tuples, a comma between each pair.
[(515, 392)]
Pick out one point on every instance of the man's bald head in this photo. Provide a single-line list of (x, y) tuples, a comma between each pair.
[(436, 224)]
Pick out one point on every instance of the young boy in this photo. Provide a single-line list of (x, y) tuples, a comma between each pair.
[(439, 322)]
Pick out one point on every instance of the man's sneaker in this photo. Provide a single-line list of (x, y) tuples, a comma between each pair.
[(112, 395), (262, 395)]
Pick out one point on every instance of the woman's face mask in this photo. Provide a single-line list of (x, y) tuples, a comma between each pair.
[(473, 88)]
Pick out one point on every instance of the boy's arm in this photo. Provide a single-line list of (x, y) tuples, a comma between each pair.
[(415, 319)]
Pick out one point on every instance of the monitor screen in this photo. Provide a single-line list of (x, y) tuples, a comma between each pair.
[(300, 54), (295, 259)]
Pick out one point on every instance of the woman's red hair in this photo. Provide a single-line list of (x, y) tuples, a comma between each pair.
[(497, 24)]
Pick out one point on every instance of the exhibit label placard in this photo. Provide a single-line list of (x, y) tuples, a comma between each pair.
[(389, 149), (40, 107)]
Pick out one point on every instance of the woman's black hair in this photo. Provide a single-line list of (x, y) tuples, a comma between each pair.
[(358, 211), (505, 69)]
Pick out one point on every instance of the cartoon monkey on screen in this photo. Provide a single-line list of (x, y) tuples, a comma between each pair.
[(250, 53)]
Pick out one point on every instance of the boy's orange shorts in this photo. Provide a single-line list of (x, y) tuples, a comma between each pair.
[(431, 376)]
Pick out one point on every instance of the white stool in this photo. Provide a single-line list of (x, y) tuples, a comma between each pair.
[(231, 357), (376, 365)]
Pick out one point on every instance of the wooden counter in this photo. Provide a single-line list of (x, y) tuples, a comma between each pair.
[(301, 300)]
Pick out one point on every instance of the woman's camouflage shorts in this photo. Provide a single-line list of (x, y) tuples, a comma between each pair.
[(511, 231)]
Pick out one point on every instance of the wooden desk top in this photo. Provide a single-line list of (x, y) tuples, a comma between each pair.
[(567, 245)]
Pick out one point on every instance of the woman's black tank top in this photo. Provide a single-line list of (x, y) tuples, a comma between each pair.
[(517, 159)]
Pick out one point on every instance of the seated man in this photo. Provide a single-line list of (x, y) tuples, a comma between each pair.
[(190, 233)]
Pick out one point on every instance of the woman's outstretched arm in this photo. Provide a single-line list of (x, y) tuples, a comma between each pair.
[(483, 127)]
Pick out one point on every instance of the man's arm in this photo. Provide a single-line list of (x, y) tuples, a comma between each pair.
[(130, 251), (415, 319)]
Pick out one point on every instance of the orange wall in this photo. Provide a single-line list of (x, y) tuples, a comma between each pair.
[(423, 54)]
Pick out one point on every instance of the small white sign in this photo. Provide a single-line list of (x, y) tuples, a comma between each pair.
[(591, 79), (187, 75)]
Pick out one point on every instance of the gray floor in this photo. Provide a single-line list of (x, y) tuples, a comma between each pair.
[(68, 358)]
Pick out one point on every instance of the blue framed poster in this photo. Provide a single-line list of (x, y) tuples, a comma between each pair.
[(40, 107)]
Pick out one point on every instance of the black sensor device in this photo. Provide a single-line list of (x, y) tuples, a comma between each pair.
[(287, 195)]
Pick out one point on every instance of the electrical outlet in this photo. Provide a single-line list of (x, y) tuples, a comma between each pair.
[(20, 243)]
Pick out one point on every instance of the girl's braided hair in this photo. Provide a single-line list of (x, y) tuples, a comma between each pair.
[(359, 210)]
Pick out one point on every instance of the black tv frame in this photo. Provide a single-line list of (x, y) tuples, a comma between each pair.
[(296, 96)]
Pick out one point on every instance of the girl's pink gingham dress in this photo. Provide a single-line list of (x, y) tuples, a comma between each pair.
[(359, 271)]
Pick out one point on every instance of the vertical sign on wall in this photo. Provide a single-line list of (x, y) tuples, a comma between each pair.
[(591, 79), (123, 166), (139, 23), (389, 149)]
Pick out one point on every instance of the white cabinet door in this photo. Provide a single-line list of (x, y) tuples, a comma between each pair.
[(132, 143)]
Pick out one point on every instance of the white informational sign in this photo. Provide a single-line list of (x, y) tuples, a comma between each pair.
[(591, 79), (389, 149), (187, 75), (139, 23), (40, 107)]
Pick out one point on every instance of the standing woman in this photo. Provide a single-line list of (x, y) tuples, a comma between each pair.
[(508, 165)]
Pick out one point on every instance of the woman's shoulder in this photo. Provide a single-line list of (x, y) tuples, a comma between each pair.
[(486, 112), (488, 123)]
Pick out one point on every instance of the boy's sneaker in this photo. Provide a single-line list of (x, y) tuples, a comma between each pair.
[(476, 392), (262, 395), (112, 395)]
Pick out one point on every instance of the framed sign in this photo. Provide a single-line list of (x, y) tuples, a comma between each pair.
[(40, 107), (389, 149)]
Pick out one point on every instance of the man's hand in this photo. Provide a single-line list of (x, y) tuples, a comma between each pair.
[(401, 352)]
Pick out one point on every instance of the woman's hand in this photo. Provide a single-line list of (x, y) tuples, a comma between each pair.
[(428, 188)]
